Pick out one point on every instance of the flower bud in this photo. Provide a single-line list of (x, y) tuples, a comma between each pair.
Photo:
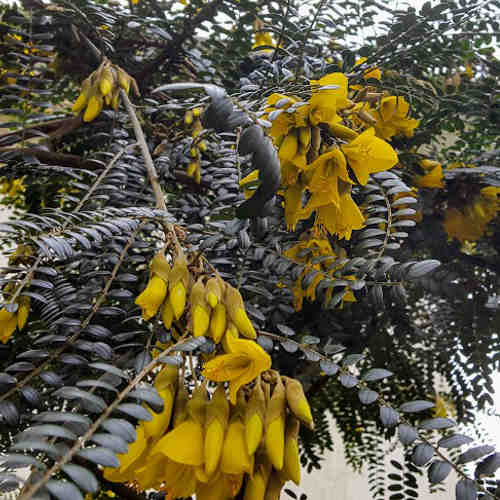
[(254, 418), (218, 322), (200, 310), (215, 429), (152, 297), (214, 289), (178, 283), (275, 426), (297, 401), (291, 466), (236, 309)]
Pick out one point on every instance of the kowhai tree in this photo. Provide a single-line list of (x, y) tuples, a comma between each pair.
[(232, 220)]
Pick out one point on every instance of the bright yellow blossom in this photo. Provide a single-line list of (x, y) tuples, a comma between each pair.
[(433, 179), (246, 361), (152, 297)]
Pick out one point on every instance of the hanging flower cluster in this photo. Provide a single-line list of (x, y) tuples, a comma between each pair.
[(245, 437), (212, 306), (315, 163), (469, 223), (315, 252), (101, 88), (192, 120)]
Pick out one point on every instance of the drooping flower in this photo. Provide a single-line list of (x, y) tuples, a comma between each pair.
[(246, 361), (392, 118), (368, 154), (335, 95), (152, 297)]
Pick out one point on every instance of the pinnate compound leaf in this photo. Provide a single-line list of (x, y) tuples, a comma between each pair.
[(454, 441), (82, 477), (63, 490), (475, 453), (438, 471), (376, 374), (416, 406), (422, 454), (100, 456), (407, 434), (466, 489), (105, 367)]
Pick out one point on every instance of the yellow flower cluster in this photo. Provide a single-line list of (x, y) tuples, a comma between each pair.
[(307, 252), (314, 170), (213, 307), (192, 119), (470, 222), (9, 321), (206, 446), (101, 88)]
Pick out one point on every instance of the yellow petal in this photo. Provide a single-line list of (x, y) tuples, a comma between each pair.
[(94, 107), (167, 314), (275, 442), (201, 321), (235, 458), (152, 297), (8, 323), (184, 444), (155, 428), (218, 322), (253, 432), (177, 298), (214, 440), (243, 323)]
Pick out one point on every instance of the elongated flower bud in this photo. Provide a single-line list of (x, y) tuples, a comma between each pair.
[(188, 117), (305, 136), (123, 79), (291, 466), (200, 310), (214, 289), (159, 265), (155, 428), (256, 485), (218, 322), (167, 376), (254, 418), (236, 309), (275, 426), (106, 82), (94, 107), (235, 458), (152, 297), (297, 401), (231, 331), (178, 283), (215, 429), (274, 486), (83, 97), (8, 323)]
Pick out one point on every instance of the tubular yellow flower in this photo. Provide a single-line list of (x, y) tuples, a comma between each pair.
[(338, 95), (433, 179), (8, 323), (256, 485), (235, 458), (291, 466), (94, 107), (215, 287), (246, 361), (274, 486), (178, 283), (215, 429), (367, 154), (218, 322), (152, 297), (254, 418), (155, 428), (167, 314), (236, 310), (275, 426), (200, 309), (297, 401)]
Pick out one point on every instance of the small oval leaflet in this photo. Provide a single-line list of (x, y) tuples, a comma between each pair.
[(112, 441), (121, 427), (466, 490), (367, 396), (329, 367), (352, 359), (422, 268), (388, 416), (135, 411), (407, 434), (438, 471), (376, 374), (348, 380), (488, 466), (289, 345), (63, 490), (100, 456), (437, 423), (82, 477), (475, 453), (416, 406), (285, 330), (422, 454), (51, 430), (454, 441)]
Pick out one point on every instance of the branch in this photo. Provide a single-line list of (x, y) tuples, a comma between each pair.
[(53, 158)]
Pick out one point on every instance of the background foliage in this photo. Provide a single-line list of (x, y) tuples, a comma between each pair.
[(87, 224)]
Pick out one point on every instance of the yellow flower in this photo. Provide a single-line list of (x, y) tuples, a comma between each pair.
[(369, 73), (433, 179), (339, 95), (367, 154), (152, 297), (392, 118), (246, 361), (8, 324)]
